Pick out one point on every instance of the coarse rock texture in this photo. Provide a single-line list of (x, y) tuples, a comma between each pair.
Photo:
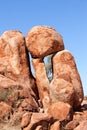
[(66, 84), (39, 119), (17, 86), (43, 40), (14, 62), (61, 90), (55, 126), (82, 126), (5, 111), (42, 82), (33, 103), (60, 107)]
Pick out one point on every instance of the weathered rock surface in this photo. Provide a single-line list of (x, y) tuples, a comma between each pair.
[(5, 111), (42, 82), (39, 119), (61, 90), (60, 107), (82, 126), (42, 41), (14, 62), (17, 85), (56, 126), (16, 95), (35, 103), (66, 80)]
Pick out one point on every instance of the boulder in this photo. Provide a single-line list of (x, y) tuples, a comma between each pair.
[(64, 68), (41, 120), (60, 111), (42, 41), (14, 62), (42, 82)]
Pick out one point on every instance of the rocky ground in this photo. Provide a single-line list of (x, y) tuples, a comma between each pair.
[(78, 122)]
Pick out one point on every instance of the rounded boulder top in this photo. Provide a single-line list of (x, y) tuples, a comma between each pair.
[(43, 40)]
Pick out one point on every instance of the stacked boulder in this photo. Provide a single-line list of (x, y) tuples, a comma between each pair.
[(41, 104)]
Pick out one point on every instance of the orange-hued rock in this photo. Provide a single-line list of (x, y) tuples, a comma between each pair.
[(60, 111), (61, 90), (56, 126), (64, 69), (71, 125), (42, 41), (42, 82), (82, 126), (5, 111), (39, 120), (16, 95), (26, 119), (14, 62)]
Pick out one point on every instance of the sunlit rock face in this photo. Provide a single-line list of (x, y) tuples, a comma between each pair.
[(42, 82), (34, 101), (66, 84), (42, 41), (14, 62), (17, 84)]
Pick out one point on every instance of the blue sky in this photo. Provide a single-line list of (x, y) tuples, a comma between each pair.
[(68, 17)]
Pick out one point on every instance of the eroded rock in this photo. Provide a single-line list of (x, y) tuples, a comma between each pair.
[(39, 119), (60, 111), (19, 99), (65, 70), (42, 82), (14, 62), (42, 41), (5, 111)]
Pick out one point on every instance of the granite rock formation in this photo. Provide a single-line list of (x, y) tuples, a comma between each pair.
[(66, 84), (34, 102)]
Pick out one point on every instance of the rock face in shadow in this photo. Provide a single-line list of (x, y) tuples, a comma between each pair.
[(33, 102)]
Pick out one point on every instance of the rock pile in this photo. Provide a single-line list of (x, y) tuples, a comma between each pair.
[(35, 102)]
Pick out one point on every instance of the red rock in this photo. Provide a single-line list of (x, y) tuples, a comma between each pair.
[(60, 111), (29, 104), (39, 128), (42, 82), (56, 126), (61, 90), (71, 125), (39, 119), (14, 94), (82, 126), (64, 67), (5, 111), (26, 119), (14, 62), (8, 90), (42, 41), (80, 115)]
